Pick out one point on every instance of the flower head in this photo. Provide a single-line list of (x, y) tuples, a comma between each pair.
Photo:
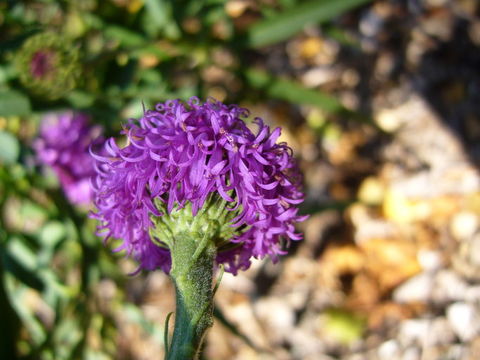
[(191, 161), (63, 145), (48, 65)]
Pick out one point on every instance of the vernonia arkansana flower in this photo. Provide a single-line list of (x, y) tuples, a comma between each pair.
[(198, 166), (63, 144)]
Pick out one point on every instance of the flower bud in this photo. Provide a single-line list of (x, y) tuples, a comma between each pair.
[(48, 65)]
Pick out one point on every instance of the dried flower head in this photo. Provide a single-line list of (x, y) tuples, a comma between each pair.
[(63, 145), (198, 166), (48, 65)]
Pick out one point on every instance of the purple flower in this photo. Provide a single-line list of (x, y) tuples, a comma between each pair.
[(182, 154), (63, 145)]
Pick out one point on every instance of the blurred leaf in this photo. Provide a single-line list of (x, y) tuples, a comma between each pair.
[(9, 148), (20, 251), (74, 24), (152, 50), (13, 103), (52, 233), (343, 326), (150, 76), (157, 13), (80, 99), (158, 92), (125, 36), (92, 354), (286, 24), (93, 21), (287, 3), (20, 261), (7, 72), (68, 334), (54, 288), (291, 91), (33, 211), (21, 294)]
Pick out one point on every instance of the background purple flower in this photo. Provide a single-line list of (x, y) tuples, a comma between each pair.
[(183, 153), (63, 145)]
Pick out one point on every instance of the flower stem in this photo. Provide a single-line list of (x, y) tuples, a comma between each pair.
[(192, 273)]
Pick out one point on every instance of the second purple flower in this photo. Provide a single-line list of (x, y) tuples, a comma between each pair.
[(63, 145)]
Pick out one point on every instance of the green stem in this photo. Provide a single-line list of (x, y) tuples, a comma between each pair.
[(192, 273)]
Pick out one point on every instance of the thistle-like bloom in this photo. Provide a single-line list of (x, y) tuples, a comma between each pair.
[(63, 144), (199, 160), (48, 64)]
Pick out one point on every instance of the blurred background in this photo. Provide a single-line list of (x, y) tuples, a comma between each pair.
[(380, 101)]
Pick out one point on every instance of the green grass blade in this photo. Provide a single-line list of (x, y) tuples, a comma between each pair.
[(218, 314), (286, 24), (165, 334), (291, 91), (296, 93)]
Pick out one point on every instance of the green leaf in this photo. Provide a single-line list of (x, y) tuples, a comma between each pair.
[(286, 24), (291, 91), (125, 36), (36, 331), (19, 249), (91, 354), (150, 50), (20, 262), (80, 99), (14, 103), (9, 148), (52, 233), (158, 12), (7, 73), (68, 333)]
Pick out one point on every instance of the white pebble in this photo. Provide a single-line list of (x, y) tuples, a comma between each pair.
[(463, 225), (464, 320), (430, 260), (389, 350), (417, 288)]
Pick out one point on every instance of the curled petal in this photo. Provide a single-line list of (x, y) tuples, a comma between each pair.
[(270, 186)]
